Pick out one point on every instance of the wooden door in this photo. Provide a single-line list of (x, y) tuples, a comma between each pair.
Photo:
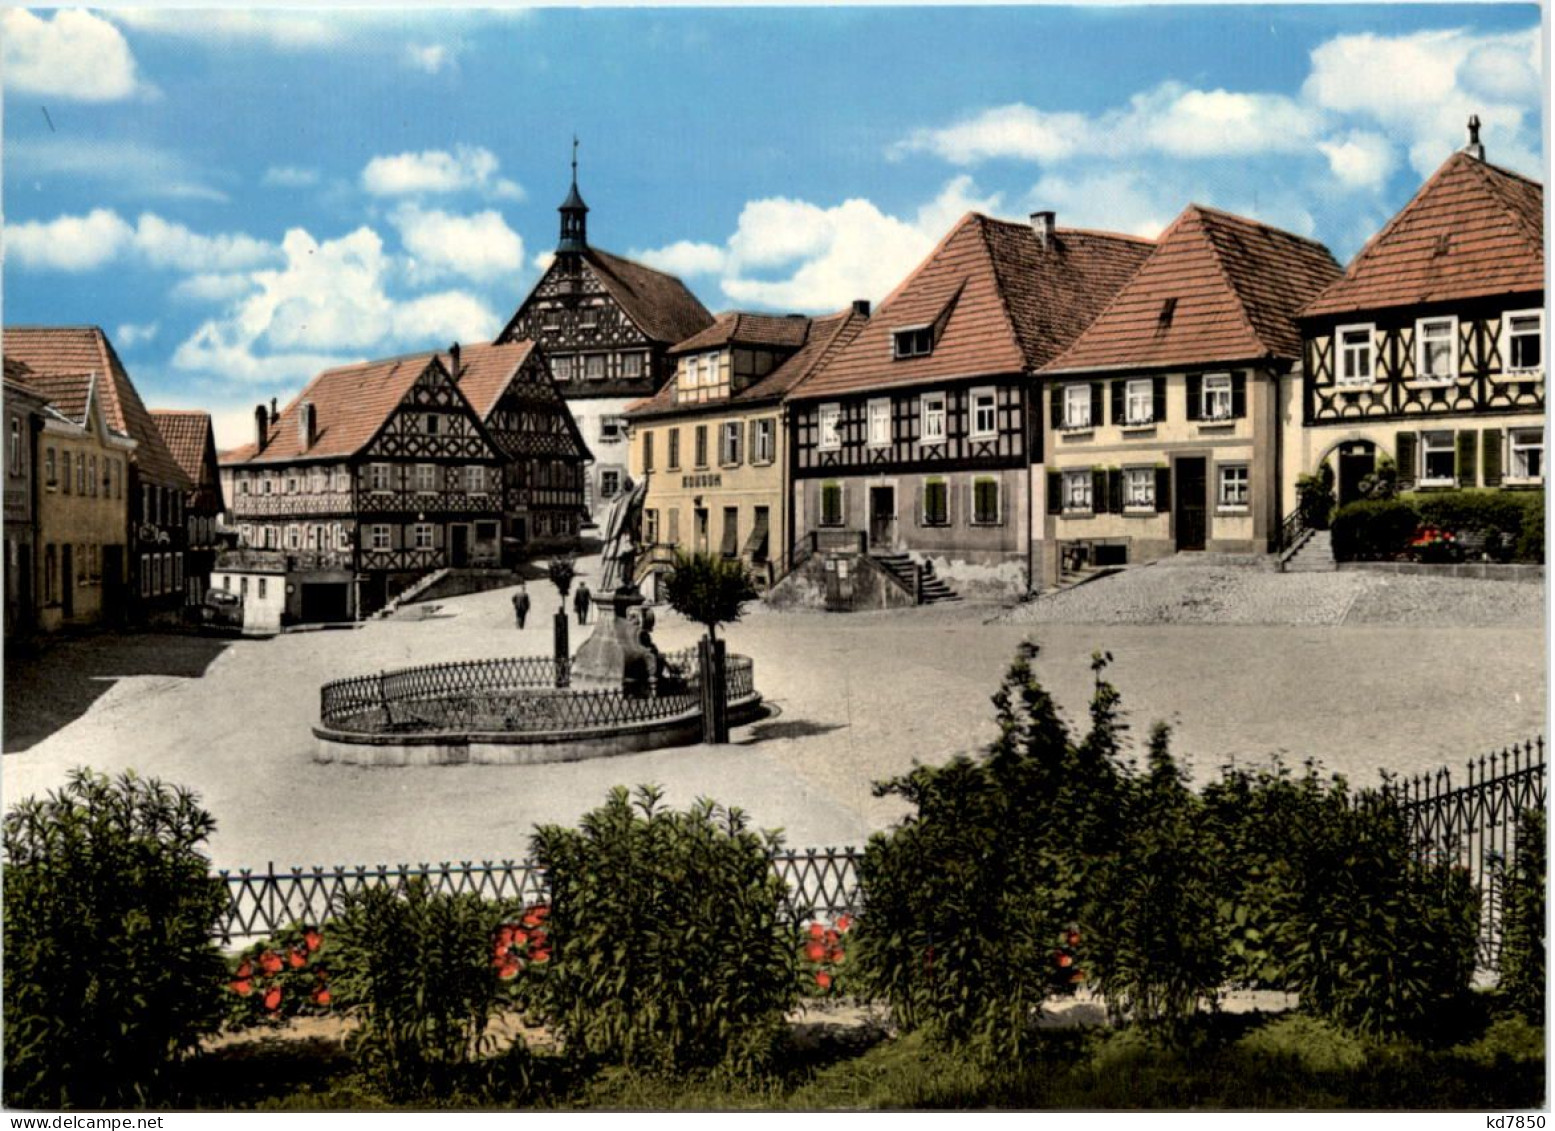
[(459, 549), (1189, 501), (882, 518), (1356, 462)]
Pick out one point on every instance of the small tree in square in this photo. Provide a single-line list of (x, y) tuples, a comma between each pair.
[(709, 589)]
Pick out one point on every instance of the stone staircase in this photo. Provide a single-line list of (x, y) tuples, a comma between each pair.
[(902, 567), (410, 594), (1313, 554), (1068, 579)]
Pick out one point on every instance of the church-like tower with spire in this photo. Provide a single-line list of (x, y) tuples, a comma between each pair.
[(605, 324)]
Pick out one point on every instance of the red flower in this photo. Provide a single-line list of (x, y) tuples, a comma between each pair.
[(535, 915), (823, 979), (312, 940), (298, 959), (831, 938), (540, 955), (245, 969), (1074, 938), (273, 998), (321, 996), (835, 957), (817, 931), (270, 962), (815, 952), (508, 970), (536, 937), (1065, 960), (242, 987), (504, 938), (844, 923)]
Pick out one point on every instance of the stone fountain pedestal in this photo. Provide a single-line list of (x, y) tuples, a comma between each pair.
[(619, 653)]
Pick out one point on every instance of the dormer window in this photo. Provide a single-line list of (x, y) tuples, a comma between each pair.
[(914, 341)]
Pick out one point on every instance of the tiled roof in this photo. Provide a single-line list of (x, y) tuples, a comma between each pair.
[(1472, 230), (485, 370), (67, 393), (350, 404), (1000, 302), (827, 336), (659, 303), (1217, 287), (187, 433), (16, 370), (86, 349), (744, 328), (240, 454)]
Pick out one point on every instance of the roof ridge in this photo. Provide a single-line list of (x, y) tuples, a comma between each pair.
[(1025, 225), (1263, 225), (967, 217), (1483, 170), (1236, 291)]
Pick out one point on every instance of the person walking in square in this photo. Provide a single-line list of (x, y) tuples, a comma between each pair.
[(521, 604), (580, 603)]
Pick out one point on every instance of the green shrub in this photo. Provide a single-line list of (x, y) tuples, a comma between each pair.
[(281, 977), (673, 947), (416, 968), (1369, 530), (709, 589), (967, 896), (1308, 1043), (1530, 541), (1475, 510), (1315, 497), (110, 973), (1508, 1040), (1523, 948)]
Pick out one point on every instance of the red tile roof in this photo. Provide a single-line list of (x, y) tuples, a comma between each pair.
[(1001, 302), (1473, 230), (86, 349), (1217, 287), (485, 370), (188, 434), (826, 337), (16, 370), (744, 328), (350, 404), (659, 303), (67, 393), (240, 454)]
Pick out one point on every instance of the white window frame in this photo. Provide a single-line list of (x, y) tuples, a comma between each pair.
[(426, 478), (421, 536), (614, 473), (1139, 489), (917, 340), (1215, 400), (379, 478), (378, 537), (985, 400), (1240, 497), (1506, 340), (612, 429), (707, 367), (561, 368), (1077, 407), (932, 423), (16, 445), (829, 428), (1077, 488), (729, 443), (1132, 395), (1446, 377), (631, 365), (1523, 440), (765, 447), (591, 363), (1426, 449), (879, 413), (1341, 353), (293, 536)]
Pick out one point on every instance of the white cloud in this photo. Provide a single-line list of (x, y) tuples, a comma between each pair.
[(1018, 131), (130, 169), (431, 57), (213, 287), (289, 176), (467, 168), (683, 257), (1360, 159), (102, 236), (1118, 200), (285, 29), (329, 302), (479, 246), (543, 260), (75, 56), (131, 334)]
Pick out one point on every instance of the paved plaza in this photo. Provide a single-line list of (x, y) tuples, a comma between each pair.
[(1381, 684)]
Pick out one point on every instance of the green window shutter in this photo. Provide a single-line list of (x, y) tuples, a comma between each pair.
[(1490, 456), (1055, 492), (1117, 400), (1406, 458), (1097, 407), (1195, 394), (1115, 490), (1158, 393), (1238, 395), (1468, 449), (1056, 406), (1163, 489), (1098, 491)]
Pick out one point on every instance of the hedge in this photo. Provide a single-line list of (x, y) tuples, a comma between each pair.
[(1383, 529)]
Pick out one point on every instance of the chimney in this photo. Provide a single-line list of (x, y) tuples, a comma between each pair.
[(453, 360), (307, 426), (274, 415), (861, 307), (1474, 149), (261, 427), (1043, 223)]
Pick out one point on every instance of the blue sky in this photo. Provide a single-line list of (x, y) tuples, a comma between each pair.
[(243, 197)]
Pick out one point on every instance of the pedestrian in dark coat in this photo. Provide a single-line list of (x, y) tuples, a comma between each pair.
[(521, 604), (581, 602)]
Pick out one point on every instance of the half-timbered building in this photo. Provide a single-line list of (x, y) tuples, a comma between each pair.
[(190, 438), (1430, 350), (512, 391), (1164, 415), (606, 325), (155, 488), (712, 444), (919, 437), (374, 476)]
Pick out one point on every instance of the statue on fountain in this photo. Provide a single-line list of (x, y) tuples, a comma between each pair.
[(620, 653)]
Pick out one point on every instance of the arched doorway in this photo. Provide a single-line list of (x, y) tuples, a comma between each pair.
[(1354, 460)]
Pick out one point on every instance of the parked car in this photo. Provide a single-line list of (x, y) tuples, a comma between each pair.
[(220, 610)]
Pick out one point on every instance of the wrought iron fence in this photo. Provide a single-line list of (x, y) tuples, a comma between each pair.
[(822, 883), (1473, 823), (517, 694)]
